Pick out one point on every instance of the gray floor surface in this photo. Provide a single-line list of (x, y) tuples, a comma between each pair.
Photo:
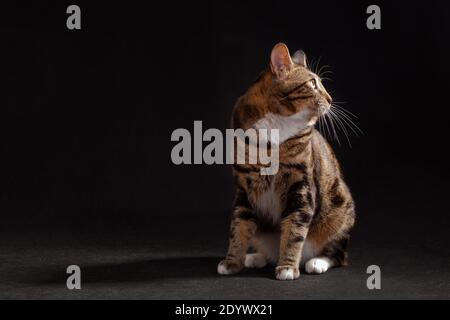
[(153, 264)]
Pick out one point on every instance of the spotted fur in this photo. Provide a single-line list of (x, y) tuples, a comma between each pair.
[(304, 213)]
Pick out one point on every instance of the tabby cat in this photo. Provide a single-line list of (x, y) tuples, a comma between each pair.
[(301, 216)]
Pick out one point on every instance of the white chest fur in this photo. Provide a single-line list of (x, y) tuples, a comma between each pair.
[(268, 204), (288, 126)]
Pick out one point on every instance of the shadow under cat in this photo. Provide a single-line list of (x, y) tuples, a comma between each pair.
[(141, 271)]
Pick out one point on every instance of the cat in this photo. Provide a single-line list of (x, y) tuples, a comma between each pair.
[(302, 216)]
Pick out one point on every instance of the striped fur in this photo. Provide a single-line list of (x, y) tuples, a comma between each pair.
[(305, 212)]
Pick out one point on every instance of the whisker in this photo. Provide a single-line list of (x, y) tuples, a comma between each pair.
[(323, 67), (326, 126), (347, 119), (317, 64), (320, 120), (351, 126), (309, 64), (321, 74), (336, 137), (342, 126), (340, 102), (336, 119), (344, 110)]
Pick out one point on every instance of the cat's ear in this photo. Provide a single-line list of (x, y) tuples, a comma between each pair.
[(280, 61), (299, 58)]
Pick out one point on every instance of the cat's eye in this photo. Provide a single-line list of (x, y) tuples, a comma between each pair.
[(314, 84)]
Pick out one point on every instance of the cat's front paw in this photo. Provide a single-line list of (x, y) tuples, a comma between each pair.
[(229, 267), (286, 273)]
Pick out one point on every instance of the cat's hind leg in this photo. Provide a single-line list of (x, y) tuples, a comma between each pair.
[(333, 255), (255, 260), (318, 265), (266, 246)]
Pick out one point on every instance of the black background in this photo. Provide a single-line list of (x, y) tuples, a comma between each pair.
[(86, 116)]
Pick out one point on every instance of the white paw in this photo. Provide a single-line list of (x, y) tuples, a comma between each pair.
[(255, 260), (318, 265), (286, 273), (223, 270)]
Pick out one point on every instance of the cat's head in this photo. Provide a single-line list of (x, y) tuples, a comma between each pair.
[(295, 89)]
